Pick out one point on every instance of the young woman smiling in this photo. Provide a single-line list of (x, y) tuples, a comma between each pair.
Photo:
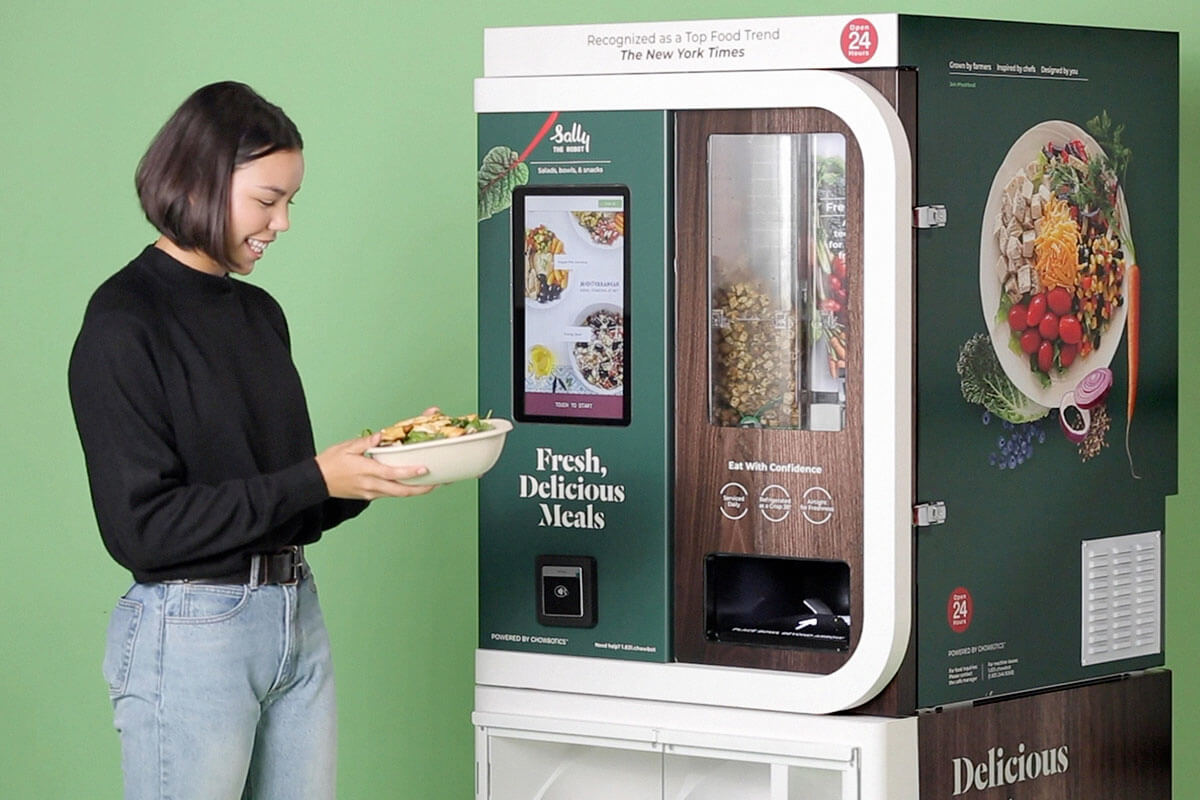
[(204, 477)]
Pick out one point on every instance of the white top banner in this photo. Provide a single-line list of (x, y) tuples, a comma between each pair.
[(843, 42)]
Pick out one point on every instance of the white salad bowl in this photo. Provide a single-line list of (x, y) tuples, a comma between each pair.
[(448, 460), (581, 322)]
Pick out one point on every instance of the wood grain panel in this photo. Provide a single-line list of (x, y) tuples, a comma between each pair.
[(703, 451), (1108, 740)]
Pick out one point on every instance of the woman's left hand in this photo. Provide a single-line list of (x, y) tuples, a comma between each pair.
[(350, 474)]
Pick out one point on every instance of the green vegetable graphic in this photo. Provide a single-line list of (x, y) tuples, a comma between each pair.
[(984, 382), (500, 172), (502, 169)]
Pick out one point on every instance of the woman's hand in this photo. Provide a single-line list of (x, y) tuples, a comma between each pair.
[(351, 475)]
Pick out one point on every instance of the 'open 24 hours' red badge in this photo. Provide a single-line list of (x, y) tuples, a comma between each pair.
[(959, 610), (859, 40)]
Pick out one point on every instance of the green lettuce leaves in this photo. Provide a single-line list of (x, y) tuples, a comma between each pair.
[(984, 382), (499, 173)]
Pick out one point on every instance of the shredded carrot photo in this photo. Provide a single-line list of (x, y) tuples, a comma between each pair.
[(1056, 248)]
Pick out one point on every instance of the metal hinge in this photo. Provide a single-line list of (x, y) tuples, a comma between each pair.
[(926, 514), (929, 216)]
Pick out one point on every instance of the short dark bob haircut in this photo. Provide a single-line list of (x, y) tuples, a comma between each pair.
[(183, 179)]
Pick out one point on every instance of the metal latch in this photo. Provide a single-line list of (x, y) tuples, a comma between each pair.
[(929, 216), (926, 514)]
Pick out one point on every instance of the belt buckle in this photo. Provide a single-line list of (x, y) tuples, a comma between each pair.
[(295, 565)]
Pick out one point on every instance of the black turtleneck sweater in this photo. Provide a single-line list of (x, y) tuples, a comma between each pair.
[(195, 431)]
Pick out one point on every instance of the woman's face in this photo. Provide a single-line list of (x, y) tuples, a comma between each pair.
[(259, 194)]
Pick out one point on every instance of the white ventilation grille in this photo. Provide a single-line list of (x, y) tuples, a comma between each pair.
[(1122, 597)]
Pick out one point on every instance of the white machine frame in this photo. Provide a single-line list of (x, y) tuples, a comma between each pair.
[(887, 376)]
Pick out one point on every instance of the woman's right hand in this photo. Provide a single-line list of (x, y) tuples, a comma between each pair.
[(352, 475)]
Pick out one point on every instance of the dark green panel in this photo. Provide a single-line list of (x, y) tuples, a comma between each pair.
[(629, 539), (1013, 536)]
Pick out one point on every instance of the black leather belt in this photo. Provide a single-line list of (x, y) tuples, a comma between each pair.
[(286, 567)]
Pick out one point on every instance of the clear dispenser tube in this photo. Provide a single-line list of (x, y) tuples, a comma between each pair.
[(777, 280)]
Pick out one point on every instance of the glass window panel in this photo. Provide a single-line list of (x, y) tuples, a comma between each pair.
[(695, 778), (777, 280), (521, 769)]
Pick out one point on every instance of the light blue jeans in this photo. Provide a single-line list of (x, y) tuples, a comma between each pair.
[(223, 692)]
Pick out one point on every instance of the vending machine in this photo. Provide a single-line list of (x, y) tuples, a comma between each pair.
[(841, 352)]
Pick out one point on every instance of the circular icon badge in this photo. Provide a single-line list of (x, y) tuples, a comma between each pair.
[(859, 40), (733, 500), (960, 608), (775, 503), (817, 505)]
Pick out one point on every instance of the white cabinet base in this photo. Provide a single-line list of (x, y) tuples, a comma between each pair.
[(541, 745)]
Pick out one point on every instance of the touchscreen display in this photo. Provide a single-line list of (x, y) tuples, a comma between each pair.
[(571, 304)]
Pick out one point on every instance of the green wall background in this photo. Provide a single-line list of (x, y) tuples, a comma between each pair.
[(377, 277)]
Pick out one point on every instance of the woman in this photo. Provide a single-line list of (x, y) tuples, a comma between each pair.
[(204, 477)]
